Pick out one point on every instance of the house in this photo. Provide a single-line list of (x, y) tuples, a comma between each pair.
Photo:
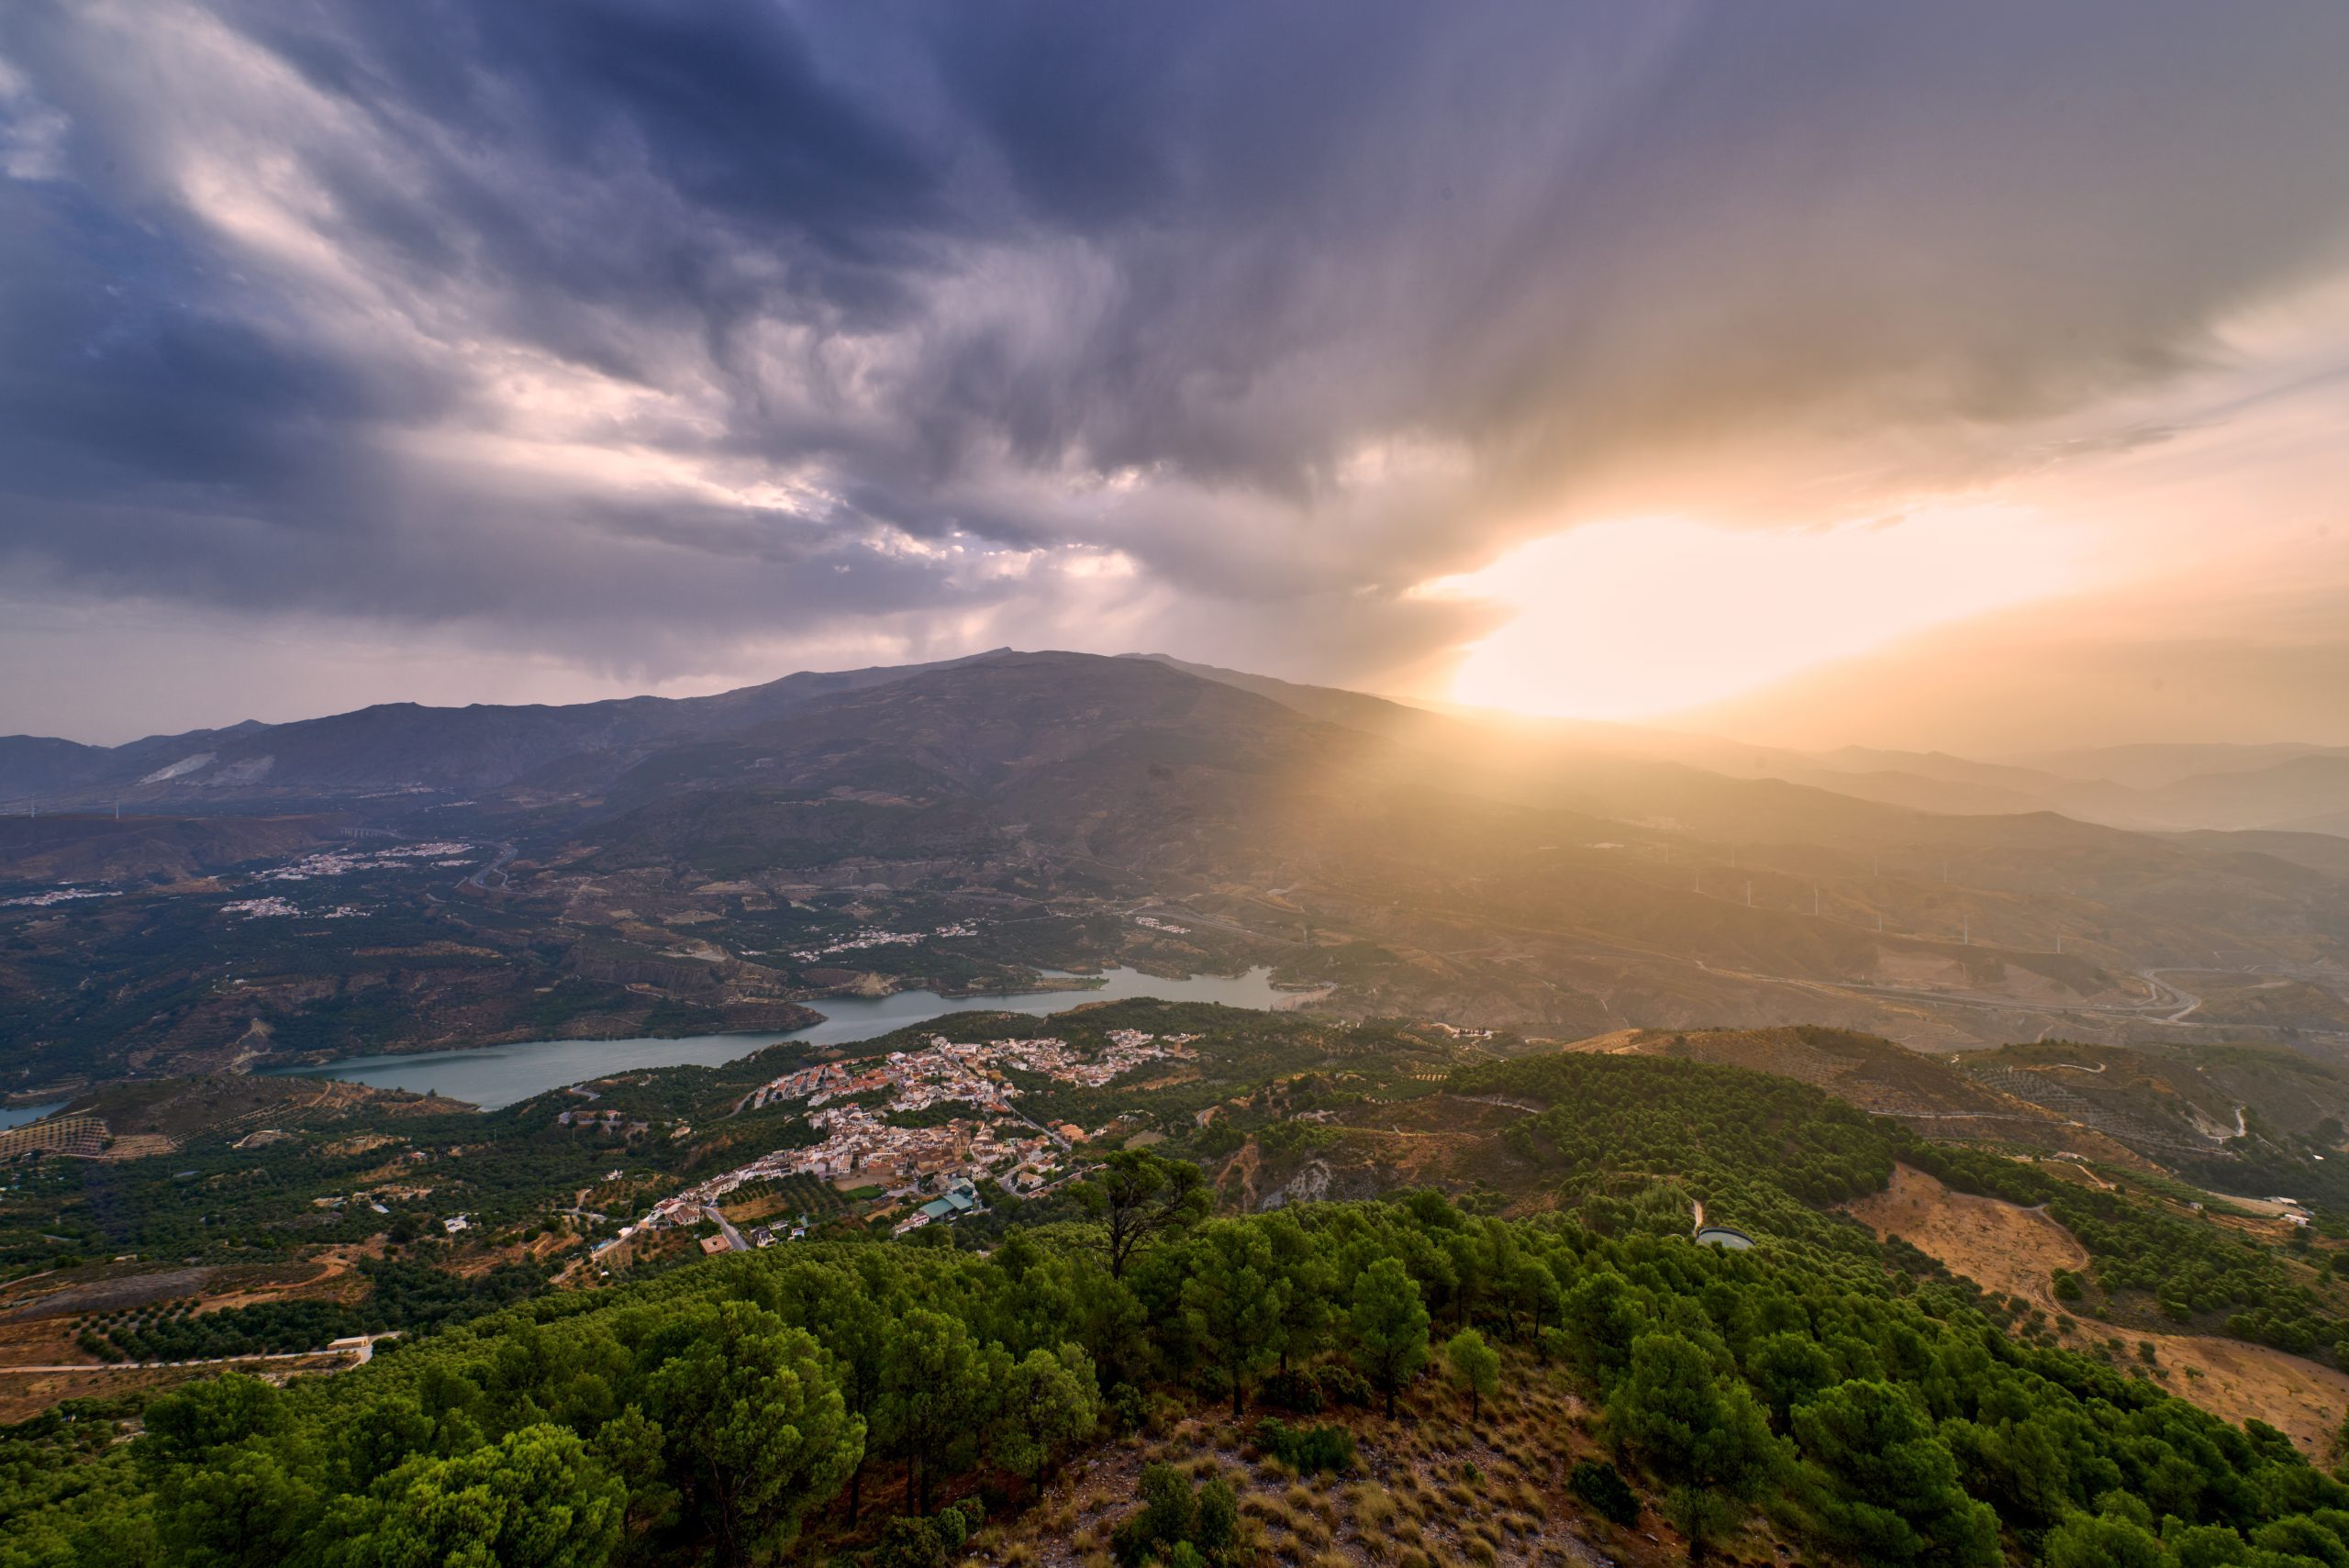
[(960, 1198), (456, 1223), (713, 1244)]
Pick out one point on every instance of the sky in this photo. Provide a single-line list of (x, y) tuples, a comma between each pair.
[(1928, 374)]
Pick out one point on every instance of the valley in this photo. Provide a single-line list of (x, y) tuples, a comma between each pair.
[(1718, 936), (443, 1031), (722, 865)]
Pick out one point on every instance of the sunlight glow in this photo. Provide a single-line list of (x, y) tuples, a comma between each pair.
[(1642, 616)]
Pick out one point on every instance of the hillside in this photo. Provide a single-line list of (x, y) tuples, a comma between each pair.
[(1122, 1373), (38, 851), (399, 746)]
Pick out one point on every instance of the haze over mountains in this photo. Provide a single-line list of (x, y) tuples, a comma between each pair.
[(2279, 787), (1563, 879)]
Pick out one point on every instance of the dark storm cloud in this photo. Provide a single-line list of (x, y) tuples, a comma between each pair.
[(111, 374), (656, 325)]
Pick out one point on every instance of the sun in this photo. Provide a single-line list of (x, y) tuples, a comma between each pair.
[(1642, 616)]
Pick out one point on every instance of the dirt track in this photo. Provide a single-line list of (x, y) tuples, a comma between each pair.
[(2015, 1251)]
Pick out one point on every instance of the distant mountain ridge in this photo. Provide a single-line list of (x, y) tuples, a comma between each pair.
[(572, 750), (2280, 788), (394, 745), (2152, 764)]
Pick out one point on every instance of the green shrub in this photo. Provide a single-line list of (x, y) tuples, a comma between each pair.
[(1308, 1451), (914, 1542), (1127, 1407), (1602, 1486), (1297, 1390), (1341, 1386), (1170, 1513)]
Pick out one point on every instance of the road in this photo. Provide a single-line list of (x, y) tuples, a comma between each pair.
[(479, 881), (363, 1353), (726, 1228), (2153, 977)]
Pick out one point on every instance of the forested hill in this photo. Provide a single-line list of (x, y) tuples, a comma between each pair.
[(1765, 1153), (1405, 1380)]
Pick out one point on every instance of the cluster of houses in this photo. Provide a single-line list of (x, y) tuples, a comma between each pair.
[(260, 909), (342, 862), (873, 936), (278, 908), (975, 1072), (1128, 1049), (64, 894), (937, 1169), (2295, 1212), (925, 1175)]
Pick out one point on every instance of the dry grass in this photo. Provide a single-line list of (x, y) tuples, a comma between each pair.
[(1373, 1508), (1277, 1512), (1430, 1491), (1318, 1500)]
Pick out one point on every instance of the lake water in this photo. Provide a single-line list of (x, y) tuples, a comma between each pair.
[(16, 1115), (497, 1075)]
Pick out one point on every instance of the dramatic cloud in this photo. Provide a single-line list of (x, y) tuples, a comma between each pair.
[(657, 342)]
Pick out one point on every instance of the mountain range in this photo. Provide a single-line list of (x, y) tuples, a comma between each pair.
[(404, 747), (1553, 878)]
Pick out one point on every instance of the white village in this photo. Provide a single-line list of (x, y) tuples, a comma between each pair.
[(933, 1171)]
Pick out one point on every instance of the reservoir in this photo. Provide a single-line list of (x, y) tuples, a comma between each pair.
[(496, 1075), (16, 1115)]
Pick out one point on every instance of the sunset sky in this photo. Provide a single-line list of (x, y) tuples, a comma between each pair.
[(1972, 376)]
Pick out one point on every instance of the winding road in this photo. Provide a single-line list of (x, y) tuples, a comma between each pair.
[(479, 881)]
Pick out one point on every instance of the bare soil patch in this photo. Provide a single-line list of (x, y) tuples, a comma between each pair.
[(26, 1394), (2015, 1251), (64, 1296)]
